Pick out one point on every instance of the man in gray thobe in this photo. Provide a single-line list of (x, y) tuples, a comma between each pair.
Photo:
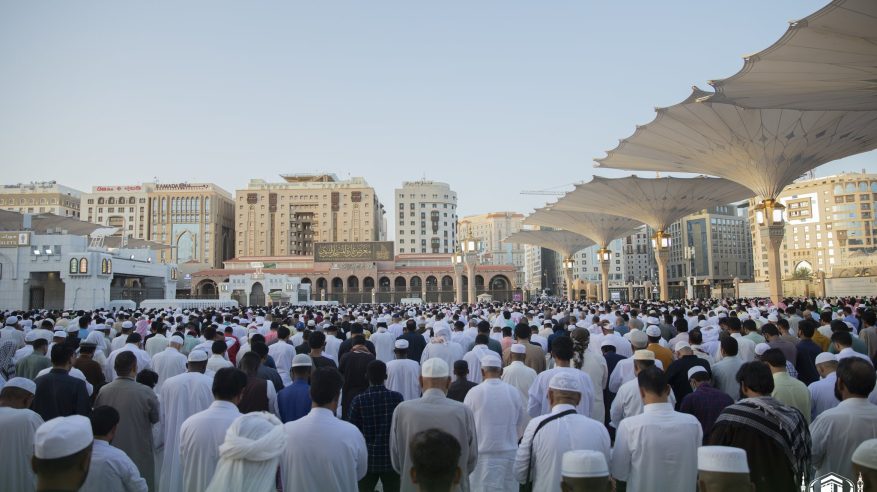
[(138, 407), (433, 410)]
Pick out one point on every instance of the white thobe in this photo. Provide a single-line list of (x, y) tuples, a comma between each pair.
[(623, 373), (628, 403), (17, 426), (395, 329), (156, 344), (76, 373), (537, 402), (200, 438), (403, 375), (725, 375), (118, 343), (473, 359), (282, 353), (822, 395), (595, 367), (657, 450), (111, 470), (521, 377), (555, 438), (144, 361), (335, 458), (22, 353), (622, 346), (849, 352), (216, 362), (333, 345), (384, 343), (497, 437), (745, 347), (181, 397), (450, 352), (838, 431), (168, 363)]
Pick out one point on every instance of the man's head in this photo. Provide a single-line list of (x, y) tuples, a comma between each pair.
[(228, 384), (301, 368), (325, 388), (461, 369), (755, 379), (770, 331), (250, 363), (643, 359), (18, 393), (400, 348), (197, 361), (841, 340), (62, 453), (653, 387), (855, 378), (376, 372), (564, 388), (864, 462), (317, 340), (435, 374), (698, 376), (126, 365), (522, 332), (62, 356), (775, 359), (638, 339), (435, 457), (584, 471), (723, 469), (104, 420), (518, 352), (491, 366), (562, 350), (728, 345), (826, 363)]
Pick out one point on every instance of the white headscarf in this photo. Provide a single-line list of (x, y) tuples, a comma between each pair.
[(249, 456)]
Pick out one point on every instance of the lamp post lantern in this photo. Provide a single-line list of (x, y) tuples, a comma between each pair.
[(457, 263), (771, 223), (469, 247), (661, 244), (604, 255), (568, 266)]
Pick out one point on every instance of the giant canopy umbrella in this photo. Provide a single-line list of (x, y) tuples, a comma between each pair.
[(825, 61), (656, 202), (599, 227), (762, 149), (564, 242)]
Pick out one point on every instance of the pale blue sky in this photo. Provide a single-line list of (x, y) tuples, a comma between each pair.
[(490, 96)]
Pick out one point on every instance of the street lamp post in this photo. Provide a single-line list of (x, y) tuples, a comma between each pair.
[(457, 262), (689, 256), (769, 216), (568, 266), (661, 244), (604, 255), (469, 247)]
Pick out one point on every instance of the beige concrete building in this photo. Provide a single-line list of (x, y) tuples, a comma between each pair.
[(287, 218), (426, 217), (195, 220), (491, 228), (39, 198), (828, 219)]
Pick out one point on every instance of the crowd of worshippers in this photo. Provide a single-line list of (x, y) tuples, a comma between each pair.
[(708, 395)]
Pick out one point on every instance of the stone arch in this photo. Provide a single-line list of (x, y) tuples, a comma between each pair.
[(353, 283), (399, 284), (415, 284), (368, 283), (186, 247), (257, 294), (206, 289), (431, 283), (447, 283), (337, 285), (384, 284), (500, 282), (479, 283)]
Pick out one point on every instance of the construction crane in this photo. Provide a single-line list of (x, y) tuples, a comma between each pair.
[(548, 191)]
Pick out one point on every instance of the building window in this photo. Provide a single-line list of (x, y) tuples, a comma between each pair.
[(74, 265), (83, 265)]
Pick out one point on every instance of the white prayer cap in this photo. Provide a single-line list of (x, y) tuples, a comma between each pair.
[(772, 318), (761, 348), (12, 320), (584, 463), (62, 436), (723, 459), (127, 324), (30, 336), (518, 348), (565, 381), (694, 370), (401, 344), (435, 368), (607, 343), (312, 322), (681, 345), (22, 383), (72, 329), (643, 355), (197, 356), (491, 360), (653, 331), (825, 357), (302, 360), (177, 340), (638, 338), (866, 454), (94, 338), (59, 334)]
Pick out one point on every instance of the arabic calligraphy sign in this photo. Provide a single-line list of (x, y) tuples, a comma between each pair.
[(361, 251)]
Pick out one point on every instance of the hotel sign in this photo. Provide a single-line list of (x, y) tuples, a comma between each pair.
[(360, 251), (181, 187), (14, 239), (117, 188)]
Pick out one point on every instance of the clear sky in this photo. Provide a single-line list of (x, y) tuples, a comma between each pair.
[(493, 97)]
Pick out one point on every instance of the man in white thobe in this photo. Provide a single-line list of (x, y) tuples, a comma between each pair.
[(144, 361), (658, 446), (822, 395), (403, 374), (383, 341), (169, 362), (474, 356), (110, 469), (203, 433), (594, 365), (499, 423), (157, 342), (338, 458), (628, 401), (17, 426), (837, 432), (282, 353), (517, 373), (181, 396), (562, 351), (539, 456)]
